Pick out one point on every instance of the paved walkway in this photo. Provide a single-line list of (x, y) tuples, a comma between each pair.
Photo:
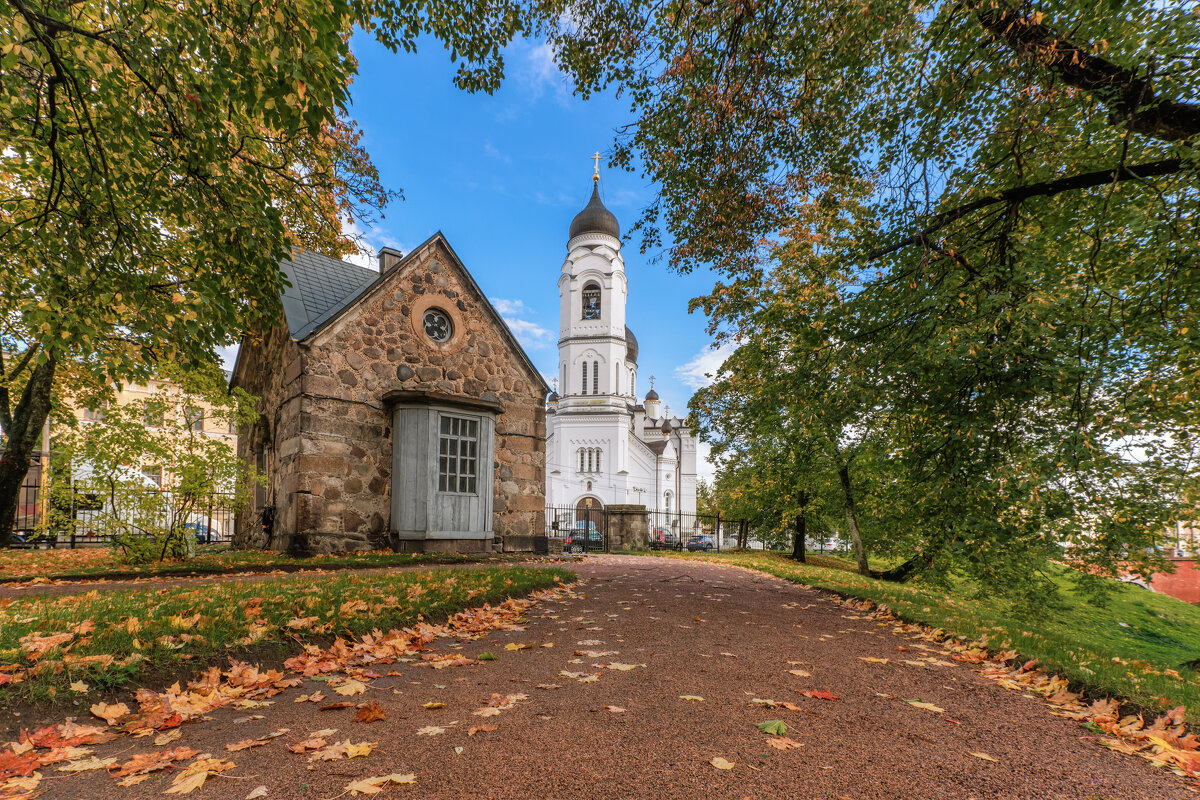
[(726, 635)]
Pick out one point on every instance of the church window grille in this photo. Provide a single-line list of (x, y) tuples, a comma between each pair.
[(458, 449), (584, 378), (595, 377), (591, 301), (581, 459), (589, 454), (597, 459)]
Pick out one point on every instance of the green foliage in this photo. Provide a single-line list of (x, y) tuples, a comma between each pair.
[(105, 463), (158, 161), (960, 260)]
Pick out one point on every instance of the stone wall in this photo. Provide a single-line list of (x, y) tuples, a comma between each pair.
[(337, 432), (270, 366), (628, 527)]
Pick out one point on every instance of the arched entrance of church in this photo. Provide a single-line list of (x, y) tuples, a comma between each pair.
[(590, 531)]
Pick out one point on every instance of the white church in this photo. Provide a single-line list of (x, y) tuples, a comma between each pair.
[(603, 445)]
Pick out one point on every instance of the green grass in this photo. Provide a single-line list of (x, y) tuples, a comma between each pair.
[(103, 562), (1085, 643), (124, 637)]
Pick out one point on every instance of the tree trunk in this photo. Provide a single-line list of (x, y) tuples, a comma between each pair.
[(798, 543), (20, 442), (852, 521)]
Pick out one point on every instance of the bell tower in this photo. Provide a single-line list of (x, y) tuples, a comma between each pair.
[(595, 368)]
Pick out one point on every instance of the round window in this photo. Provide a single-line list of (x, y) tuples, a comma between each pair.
[(437, 325)]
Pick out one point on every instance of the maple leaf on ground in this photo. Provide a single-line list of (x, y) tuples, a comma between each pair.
[(110, 712), (85, 764), (308, 745), (486, 712), (350, 687), (370, 712), (873, 660), (773, 726), (819, 694), (375, 785), (168, 737), (315, 697), (430, 730), (246, 744), (614, 709), (152, 762), (783, 743), (342, 704), (196, 773), (261, 791), (800, 673), (518, 646), (721, 763), (983, 756), (694, 698), (549, 687), (346, 749), (480, 729), (925, 706)]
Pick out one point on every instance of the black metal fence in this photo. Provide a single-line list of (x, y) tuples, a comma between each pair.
[(590, 529), (72, 519)]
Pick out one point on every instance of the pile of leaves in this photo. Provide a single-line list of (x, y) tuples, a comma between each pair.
[(344, 667), (50, 646)]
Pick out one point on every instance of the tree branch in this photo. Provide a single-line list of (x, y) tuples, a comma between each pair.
[(1018, 194), (1129, 97)]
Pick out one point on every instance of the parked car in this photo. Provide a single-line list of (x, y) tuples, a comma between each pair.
[(662, 539), (584, 537), (204, 534), (699, 543)]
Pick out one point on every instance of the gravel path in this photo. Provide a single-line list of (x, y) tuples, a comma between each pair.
[(704, 630)]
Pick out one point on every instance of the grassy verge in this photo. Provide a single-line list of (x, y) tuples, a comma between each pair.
[(109, 640), (1132, 648), (103, 562)]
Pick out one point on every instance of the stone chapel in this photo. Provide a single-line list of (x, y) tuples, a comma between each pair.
[(397, 409)]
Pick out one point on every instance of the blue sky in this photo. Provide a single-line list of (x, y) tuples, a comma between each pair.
[(501, 176)]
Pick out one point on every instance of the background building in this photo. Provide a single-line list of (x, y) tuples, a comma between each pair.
[(604, 447)]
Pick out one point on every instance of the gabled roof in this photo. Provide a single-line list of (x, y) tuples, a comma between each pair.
[(323, 288), (320, 287)]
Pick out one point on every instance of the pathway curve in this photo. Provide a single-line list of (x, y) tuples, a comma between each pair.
[(709, 631)]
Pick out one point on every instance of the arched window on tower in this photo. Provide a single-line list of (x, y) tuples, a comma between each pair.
[(595, 377), (581, 459), (597, 459), (584, 378), (667, 501), (591, 301), (589, 452)]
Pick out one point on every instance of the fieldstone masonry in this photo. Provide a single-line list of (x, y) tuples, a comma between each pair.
[(325, 430), (628, 527)]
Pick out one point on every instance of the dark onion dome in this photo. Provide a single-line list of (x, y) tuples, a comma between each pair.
[(595, 218), (666, 427), (651, 396), (631, 346), (553, 398)]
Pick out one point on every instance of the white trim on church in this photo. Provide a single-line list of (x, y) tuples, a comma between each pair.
[(601, 442)]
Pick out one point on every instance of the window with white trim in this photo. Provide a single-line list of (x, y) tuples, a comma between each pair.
[(584, 378), (591, 301), (595, 377), (458, 451)]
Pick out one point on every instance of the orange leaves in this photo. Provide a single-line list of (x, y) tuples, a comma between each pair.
[(196, 773), (370, 712), (375, 785), (110, 713), (819, 694)]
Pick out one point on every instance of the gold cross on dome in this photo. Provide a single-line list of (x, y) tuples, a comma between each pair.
[(596, 157)]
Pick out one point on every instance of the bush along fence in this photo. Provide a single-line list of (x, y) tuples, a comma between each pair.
[(70, 518)]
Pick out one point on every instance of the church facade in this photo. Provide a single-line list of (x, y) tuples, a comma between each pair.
[(604, 446)]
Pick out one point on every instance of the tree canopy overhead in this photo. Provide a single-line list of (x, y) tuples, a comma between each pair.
[(1001, 198), (157, 160)]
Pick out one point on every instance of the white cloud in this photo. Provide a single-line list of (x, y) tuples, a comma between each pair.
[(699, 372), (528, 333)]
